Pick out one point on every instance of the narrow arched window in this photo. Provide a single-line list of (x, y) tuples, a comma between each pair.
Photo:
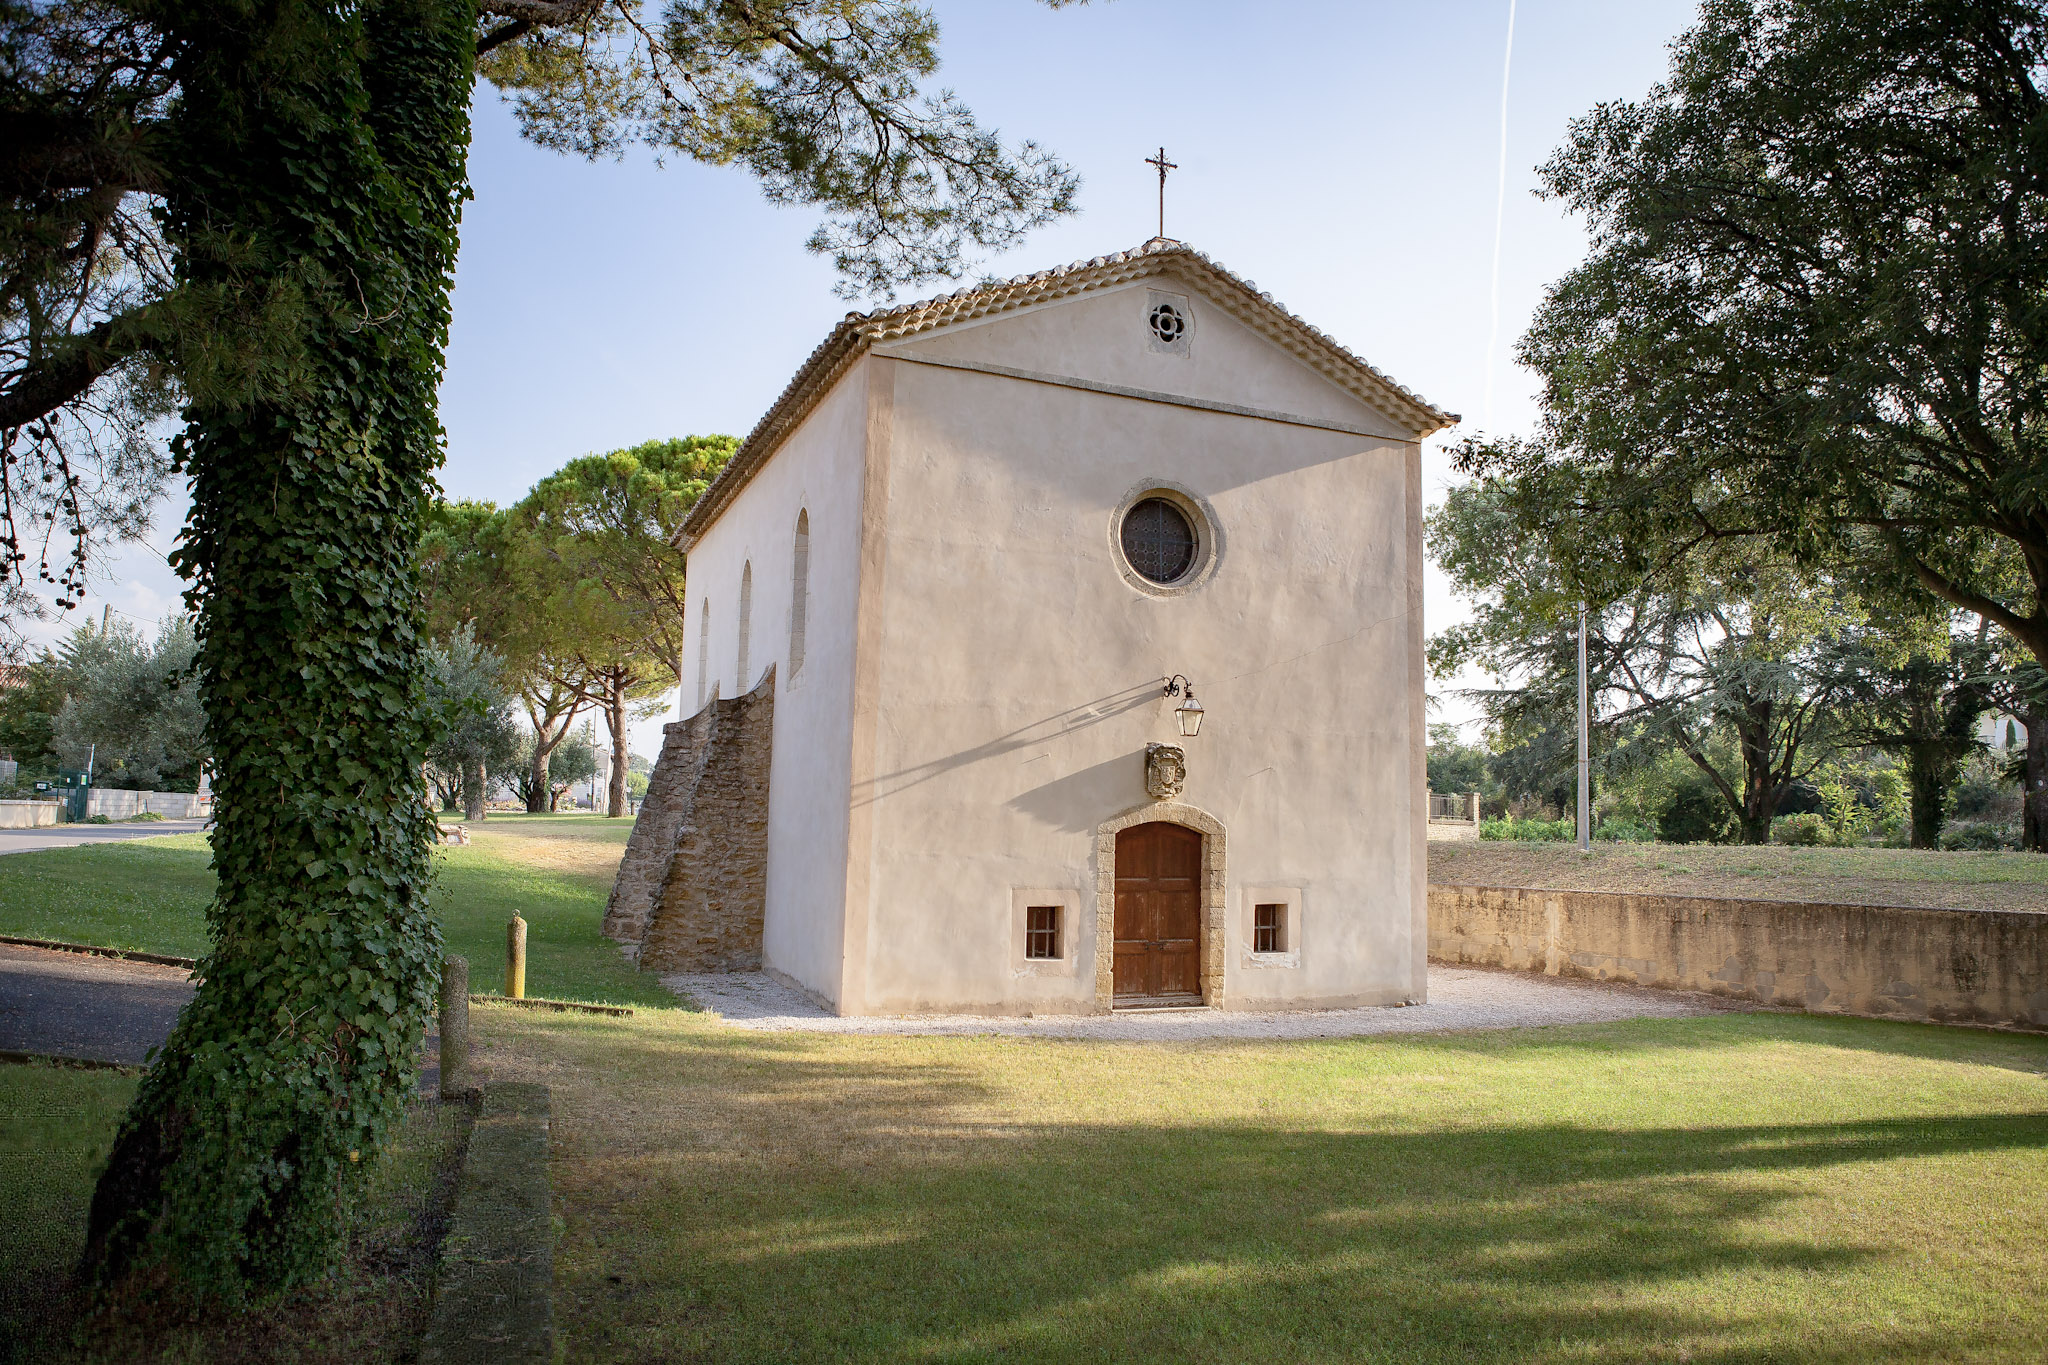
[(799, 592), (746, 620), (703, 650)]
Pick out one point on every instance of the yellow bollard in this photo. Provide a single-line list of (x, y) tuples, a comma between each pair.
[(515, 958)]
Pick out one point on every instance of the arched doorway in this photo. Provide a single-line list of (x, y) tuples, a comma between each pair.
[(1158, 917)]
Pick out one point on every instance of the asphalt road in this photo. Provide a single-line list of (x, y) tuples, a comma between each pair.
[(106, 1009), (80, 1005), (71, 836)]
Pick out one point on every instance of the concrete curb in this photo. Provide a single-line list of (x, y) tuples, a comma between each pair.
[(494, 1294), (13, 1058), (128, 954)]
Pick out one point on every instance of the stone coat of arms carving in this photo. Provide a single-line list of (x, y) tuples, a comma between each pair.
[(1166, 771)]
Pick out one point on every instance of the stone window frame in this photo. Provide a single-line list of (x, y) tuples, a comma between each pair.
[(1215, 913), (1183, 345), (1201, 516), (1072, 940), (1249, 899)]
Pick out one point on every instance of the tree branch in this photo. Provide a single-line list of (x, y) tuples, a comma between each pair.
[(42, 390), (2027, 628)]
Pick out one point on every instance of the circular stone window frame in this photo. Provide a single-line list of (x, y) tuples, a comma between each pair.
[(1201, 517), (1166, 318)]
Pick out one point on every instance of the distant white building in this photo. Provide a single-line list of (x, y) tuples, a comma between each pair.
[(2001, 731)]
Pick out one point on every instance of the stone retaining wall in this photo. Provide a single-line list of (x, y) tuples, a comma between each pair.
[(692, 889), (118, 803), (27, 814), (1948, 966)]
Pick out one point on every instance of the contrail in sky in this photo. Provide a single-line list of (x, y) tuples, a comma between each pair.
[(1500, 207)]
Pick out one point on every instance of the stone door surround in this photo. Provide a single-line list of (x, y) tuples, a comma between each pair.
[(1212, 893)]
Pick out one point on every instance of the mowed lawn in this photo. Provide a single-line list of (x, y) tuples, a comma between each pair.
[(57, 1125), (1742, 1187), (555, 870)]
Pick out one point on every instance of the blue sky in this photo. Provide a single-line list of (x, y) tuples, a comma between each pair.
[(1343, 155)]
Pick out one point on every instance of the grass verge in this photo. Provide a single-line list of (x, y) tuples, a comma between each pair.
[(56, 1128), (1738, 1187), (1931, 878), (151, 895)]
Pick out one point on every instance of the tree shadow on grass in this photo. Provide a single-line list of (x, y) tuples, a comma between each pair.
[(919, 1227), (2011, 1051), (1238, 1244)]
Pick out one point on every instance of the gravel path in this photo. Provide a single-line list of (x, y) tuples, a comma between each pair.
[(1459, 998)]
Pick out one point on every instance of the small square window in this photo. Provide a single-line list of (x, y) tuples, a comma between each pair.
[(1269, 928), (1042, 932)]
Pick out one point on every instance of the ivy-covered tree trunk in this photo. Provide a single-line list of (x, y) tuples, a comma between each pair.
[(323, 154), (1762, 787)]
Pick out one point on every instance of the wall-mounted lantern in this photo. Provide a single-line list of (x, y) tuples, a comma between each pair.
[(1189, 712)]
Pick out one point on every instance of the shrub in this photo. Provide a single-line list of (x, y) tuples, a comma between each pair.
[(144, 815), (1626, 832), (1984, 792), (97, 820), (1798, 830), (1695, 814), (1539, 831), (1980, 835)]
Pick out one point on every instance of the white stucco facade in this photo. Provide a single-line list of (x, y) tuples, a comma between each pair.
[(982, 668)]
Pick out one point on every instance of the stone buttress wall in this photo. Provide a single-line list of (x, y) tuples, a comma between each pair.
[(671, 788), (693, 892), (1961, 966)]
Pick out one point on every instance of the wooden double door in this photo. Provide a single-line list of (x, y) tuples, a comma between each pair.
[(1159, 914)]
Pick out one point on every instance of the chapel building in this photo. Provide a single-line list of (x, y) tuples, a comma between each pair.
[(1058, 648)]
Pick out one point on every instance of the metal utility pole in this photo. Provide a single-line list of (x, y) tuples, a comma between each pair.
[(1585, 755)]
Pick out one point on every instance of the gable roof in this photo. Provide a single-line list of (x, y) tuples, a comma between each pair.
[(857, 332)]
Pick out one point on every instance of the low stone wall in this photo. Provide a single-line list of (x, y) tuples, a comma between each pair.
[(27, 814), (117, 803), (1453, 815), (1947, 966)]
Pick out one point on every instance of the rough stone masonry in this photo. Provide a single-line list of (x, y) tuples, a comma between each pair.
[(692, 888)]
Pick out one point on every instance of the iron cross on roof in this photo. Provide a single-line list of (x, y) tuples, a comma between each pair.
[(1164, 166)]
